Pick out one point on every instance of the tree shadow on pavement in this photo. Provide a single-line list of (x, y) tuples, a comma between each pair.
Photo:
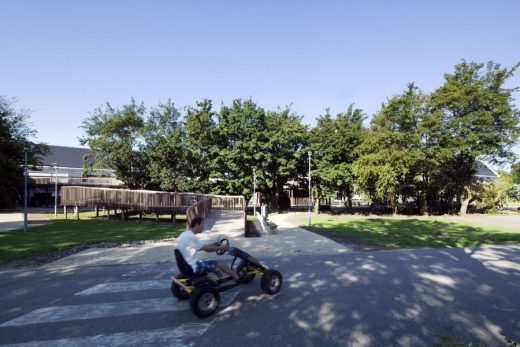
[(401, 298)]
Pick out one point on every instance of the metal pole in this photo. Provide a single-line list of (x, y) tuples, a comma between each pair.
[(254, 191), (25, 150), (56, 191), (310, 194)]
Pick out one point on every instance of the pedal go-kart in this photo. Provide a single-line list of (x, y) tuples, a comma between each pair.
[(203, 289)]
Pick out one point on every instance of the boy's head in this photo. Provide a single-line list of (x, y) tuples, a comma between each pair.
[(197, 225)]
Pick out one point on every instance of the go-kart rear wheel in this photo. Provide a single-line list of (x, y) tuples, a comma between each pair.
[(242, 273), (177, 290), (271, 282), (204, 301)]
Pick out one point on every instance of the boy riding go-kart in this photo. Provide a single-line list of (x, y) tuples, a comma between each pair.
[(193, 281)]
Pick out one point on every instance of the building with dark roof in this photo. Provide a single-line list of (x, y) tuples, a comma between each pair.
[(63, 166), (485, 172)]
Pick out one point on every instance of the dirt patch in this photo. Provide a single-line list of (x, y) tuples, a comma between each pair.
[(347, 240)]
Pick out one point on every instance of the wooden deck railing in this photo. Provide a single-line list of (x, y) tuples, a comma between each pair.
[(304, 202), (228, 202), (201, 209), (83, 181), (148, 201)]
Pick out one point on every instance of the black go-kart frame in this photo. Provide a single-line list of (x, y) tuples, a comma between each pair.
[(203, 289)]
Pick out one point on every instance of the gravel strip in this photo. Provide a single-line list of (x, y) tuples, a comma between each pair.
[(49, 257)]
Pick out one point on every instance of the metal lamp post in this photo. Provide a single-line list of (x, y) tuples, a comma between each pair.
[(254, 191), (310, 195), (25, 151), (55, 166)]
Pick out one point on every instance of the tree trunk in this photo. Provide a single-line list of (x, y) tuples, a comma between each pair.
[(419, 201), (279, 195), (349, 201), (316, 198), (349, 204), (317, 206), (465, 202), (393, 203), (394, 206)]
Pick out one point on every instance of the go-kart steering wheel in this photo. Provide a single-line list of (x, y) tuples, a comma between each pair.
[(221, 251)]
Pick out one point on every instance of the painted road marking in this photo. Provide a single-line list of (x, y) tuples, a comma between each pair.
[(151, 271), (160, 337), (113, 309), (117, 287)]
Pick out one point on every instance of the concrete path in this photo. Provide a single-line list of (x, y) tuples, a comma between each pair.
[(289, 241), (14, 220)]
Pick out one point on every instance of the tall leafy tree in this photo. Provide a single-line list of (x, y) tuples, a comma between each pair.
[(285, 141), (163, 135), (201, 138), (515, 173), (320, 146), (114, 135), (15, 131), (390, 155), (334, 142), (238, 148), (476, 118)]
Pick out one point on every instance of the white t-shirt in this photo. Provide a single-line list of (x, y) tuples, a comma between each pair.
[(189, 244)]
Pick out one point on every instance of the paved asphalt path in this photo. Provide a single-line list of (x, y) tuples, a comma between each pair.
[(401, 298)]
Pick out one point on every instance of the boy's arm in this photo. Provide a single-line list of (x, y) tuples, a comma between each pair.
[(211, 247)]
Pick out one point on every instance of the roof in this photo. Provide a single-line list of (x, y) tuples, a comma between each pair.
[(65, 156), (484, 171)]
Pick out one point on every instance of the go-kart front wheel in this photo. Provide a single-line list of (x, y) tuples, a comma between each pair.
[(271, 282), (177, 290), (204, 301)]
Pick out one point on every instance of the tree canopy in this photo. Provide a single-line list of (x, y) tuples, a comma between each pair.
[(115, 136), (391, 155), (418, 154), (335, 142), (476, 119), (15, 132)]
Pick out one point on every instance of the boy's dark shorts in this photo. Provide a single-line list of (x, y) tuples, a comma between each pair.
[(206, 266)]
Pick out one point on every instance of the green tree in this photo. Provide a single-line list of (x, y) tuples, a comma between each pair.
[(476, 118), (513, 192), (14, 133), (321, 137), (238, 147), (115, 138), (515, 172), (334, 142), (285, 141), (163, 136), (201, 138), (391, 154)]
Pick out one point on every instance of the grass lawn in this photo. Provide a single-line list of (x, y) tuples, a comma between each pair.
[(92, 214), (61, 233), (411, 233)]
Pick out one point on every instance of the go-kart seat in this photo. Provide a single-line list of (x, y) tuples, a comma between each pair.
[(185, 268)]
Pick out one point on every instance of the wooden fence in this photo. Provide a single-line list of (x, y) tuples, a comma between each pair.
[(201, 209), (148, 201), (304, 202), (228, 203)]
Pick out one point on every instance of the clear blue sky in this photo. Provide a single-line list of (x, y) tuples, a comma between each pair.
[(62, 59)]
